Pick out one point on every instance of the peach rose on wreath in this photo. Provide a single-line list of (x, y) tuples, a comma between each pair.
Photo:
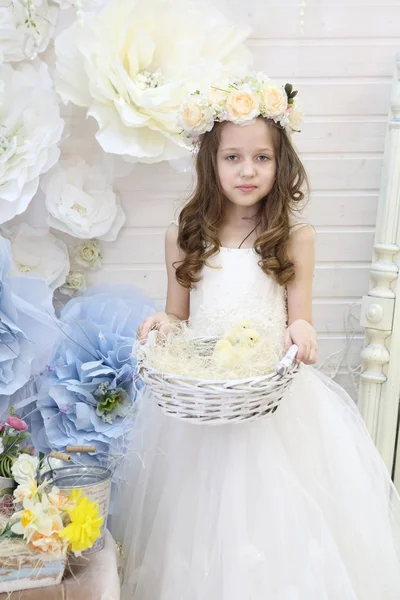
[(196, 118), (242, 105), (274, 100)]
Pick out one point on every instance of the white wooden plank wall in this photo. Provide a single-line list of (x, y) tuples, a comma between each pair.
[(342, 66)]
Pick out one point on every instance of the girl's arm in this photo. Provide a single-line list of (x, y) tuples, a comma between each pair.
[(178, 298), (300, 331), (177, 305)]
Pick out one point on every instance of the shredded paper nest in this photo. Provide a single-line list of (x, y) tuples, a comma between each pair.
[(240, 353)]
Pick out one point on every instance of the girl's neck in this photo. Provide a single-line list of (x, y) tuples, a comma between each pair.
[(240, 232), (240, 216)]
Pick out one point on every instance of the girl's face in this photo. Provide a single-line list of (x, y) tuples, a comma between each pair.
[(246, 162)]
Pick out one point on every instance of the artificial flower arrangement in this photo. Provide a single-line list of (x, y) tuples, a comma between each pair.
[(238, 101), (46, 526), (49, 521)]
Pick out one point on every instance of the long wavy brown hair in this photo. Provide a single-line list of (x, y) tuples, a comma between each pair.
[(201, 218)]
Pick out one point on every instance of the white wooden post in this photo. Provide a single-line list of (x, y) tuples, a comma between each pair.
[(380, 315)]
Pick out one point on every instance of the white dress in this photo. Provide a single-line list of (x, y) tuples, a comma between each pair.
[(298, 506)]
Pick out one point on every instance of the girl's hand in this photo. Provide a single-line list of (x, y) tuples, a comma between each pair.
[(159, 321), (303, 334)]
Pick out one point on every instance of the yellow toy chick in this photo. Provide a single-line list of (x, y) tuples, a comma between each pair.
[(224, 354), (231, 335), (247, 338), (227, 353)]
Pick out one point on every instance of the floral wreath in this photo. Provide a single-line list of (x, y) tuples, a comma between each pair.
[(239, 101)]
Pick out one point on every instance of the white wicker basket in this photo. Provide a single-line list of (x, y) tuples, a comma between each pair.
[(216, 402)]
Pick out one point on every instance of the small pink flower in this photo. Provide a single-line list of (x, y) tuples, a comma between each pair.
[(2, 426), (17, 424)]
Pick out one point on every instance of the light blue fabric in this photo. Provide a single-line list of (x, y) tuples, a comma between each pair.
[(28, 327)]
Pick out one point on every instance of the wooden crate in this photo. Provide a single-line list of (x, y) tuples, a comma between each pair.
[(24, 572)]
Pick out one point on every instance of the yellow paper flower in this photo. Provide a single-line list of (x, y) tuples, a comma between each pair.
[(85, 525)]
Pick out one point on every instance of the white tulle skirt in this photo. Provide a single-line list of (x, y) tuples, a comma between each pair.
[(298, 506)]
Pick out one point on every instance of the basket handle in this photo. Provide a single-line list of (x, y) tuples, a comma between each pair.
[(287, 361)]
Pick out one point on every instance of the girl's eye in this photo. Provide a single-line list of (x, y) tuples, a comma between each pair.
[(263, 158), (231, 157)]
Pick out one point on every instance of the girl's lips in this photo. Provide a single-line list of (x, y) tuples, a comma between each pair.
[(246, 188)]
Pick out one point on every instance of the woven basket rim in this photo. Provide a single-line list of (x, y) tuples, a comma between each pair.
[(220, 382)]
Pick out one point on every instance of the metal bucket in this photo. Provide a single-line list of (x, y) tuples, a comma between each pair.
[(95, 483)]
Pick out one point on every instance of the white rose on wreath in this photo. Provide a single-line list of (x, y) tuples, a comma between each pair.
[(25, 468), (40, 254), (82, 202), (30, 131)]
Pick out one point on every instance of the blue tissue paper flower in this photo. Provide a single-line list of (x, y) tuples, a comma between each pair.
[(87, 395), (28, 326)]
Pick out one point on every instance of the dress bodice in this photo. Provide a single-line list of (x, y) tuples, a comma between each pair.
[(233, 287)]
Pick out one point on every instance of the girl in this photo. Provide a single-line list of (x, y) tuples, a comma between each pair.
[(298, 506)]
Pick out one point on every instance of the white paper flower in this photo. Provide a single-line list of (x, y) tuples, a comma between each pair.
[(30, 130), (26, 28), (134, 64), (81, 201), (37, 253), (87, 254), (74, 283), (25, 468)]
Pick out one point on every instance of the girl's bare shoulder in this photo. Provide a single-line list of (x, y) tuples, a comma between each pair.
[(171, 235)]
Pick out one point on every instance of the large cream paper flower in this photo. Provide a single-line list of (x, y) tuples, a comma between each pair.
[(26, 28), (30, 130), (135, 62), (81, 201), (38, 253)]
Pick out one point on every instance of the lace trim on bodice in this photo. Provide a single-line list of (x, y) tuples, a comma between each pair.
[(234, 288)]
